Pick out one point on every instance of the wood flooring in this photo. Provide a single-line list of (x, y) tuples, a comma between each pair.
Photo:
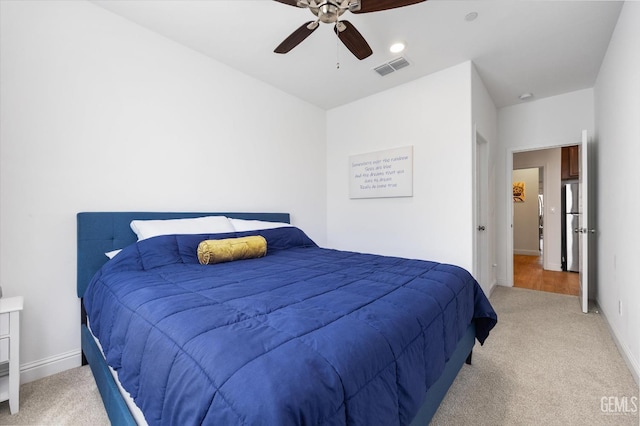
[(528, 273)]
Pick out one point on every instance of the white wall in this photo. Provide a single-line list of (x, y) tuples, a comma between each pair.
[(485, 115), (434, 115), (544, 123), (617, 149), (550, 160), (98, 113)]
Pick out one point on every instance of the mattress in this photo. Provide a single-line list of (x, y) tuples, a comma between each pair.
[(135, 411), (304, 335)]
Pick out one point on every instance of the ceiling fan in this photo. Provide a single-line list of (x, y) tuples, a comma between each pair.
[(329, 11)]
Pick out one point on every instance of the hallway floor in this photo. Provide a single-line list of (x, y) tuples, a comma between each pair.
[(528, 273)]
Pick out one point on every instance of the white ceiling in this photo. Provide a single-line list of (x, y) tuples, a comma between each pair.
[(546, 47)]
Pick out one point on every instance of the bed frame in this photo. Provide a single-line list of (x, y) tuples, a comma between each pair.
[(101, 232)]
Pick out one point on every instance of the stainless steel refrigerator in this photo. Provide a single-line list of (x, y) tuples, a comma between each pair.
[(570, 223)]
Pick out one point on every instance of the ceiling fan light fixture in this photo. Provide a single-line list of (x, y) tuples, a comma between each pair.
[(329, 12), (397, 47)]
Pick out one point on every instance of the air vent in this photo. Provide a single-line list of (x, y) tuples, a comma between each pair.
[(391, 66), (384, 69), (399, 63)]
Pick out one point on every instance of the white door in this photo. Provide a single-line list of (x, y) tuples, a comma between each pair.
[(584, 229)]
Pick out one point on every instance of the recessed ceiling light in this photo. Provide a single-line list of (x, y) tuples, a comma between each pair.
[(397, 47), (525, 96), (471, 16)]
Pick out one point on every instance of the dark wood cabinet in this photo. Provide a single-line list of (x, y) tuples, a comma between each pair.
[(570, 168)]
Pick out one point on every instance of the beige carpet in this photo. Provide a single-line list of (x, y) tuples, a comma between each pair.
[(67, 398), (545, 363)]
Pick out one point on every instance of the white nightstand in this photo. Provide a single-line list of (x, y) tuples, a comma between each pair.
[(10, 308)]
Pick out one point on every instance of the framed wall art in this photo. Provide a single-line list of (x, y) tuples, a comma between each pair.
[(382, 174)]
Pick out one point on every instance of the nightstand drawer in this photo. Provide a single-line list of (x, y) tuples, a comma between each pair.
[(4, 324), (4, 350)]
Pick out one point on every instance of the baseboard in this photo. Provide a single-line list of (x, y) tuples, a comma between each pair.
[(622, 348), (523, 252), (491, 288), (46, 367), (503, 283), (554, 267)]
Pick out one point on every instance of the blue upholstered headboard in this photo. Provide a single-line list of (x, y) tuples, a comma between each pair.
[(101, 232)]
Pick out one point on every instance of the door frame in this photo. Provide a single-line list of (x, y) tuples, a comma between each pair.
[(482, 253), (509, 205), (586, 223)]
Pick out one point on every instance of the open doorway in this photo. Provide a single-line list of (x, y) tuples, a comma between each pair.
[(537, 223)]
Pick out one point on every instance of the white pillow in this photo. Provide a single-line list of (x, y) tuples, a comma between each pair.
[(200, 225), (111, 254), (242, 225)]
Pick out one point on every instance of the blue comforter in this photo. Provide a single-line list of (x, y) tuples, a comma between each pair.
[(304, 335)]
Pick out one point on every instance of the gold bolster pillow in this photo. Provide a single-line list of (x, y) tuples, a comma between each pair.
[(218, 251)]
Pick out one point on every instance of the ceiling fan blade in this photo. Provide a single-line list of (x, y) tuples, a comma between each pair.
[(354, 41), (367, 6), (296, 38), (289, 2)]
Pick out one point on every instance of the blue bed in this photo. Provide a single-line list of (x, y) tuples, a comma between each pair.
[(302, 335)]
